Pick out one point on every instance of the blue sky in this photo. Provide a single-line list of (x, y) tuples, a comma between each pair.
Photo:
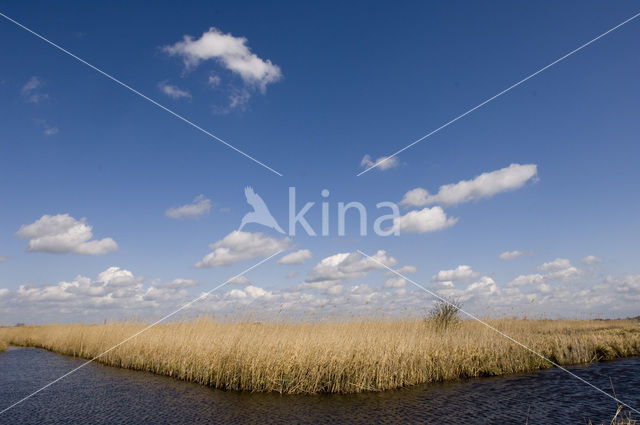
[(345, 81)]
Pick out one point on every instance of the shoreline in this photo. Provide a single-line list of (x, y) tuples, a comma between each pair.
[(341, 357)]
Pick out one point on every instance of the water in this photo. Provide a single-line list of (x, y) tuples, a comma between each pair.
[(100, 394)]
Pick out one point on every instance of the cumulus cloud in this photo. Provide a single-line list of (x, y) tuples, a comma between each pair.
[(229, 51), (173, 92), (239, 280), (298, 257), (32, 90), (462, 272), (423, 221), (559, 269), (240, 246), (180, 283), (395, 282), (118, 293), (510, 255), (527, 279), (483, 186), (384, 163), (402, 270), (199, 207), (591, 259), (61, 234), (343, 266), (115, 293)]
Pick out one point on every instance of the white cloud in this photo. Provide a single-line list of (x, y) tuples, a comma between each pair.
[(527, 279), (239, 280), (238, 99), (214, 80), (115, 293), (334, 290), (60, 234), (395, 282), (402, 270), (50, 131), (591, 259), (557, 264), (298, 257), (180, 283), (199, 207), (559, 269), (423, 221), (483, 186), (239, 246), (292, 274), (250, 291), (118, 294), (484, 285), (384, 163), (32, 90), (462, 272), (629, 285), (231, 52), (173, 92), (510, 255), (3, 259), (349, 265)]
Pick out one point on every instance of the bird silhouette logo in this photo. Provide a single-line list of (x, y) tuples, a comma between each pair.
[(260, 213)]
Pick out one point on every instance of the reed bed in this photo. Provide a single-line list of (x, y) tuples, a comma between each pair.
[(338, 357)]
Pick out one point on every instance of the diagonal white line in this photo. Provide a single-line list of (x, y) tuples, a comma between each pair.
[(499, 94), (500, 332), (139, 332), (175, 114)]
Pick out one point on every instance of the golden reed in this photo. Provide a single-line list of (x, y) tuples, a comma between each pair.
[(336, 357)]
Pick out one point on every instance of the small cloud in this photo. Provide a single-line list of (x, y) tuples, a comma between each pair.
[(298, 257), (50, 131), (424, 221), (462, 272), (199, 207), (395, 282), (240, 246), (233, 54), (214, 80), (173, 92), (62, 234), (32, 90), (485, 185), (527, 279), (239, 280), (3, 259), (403, 270), (292, 274), (384, 162), (179, 284), (591, 259), (348, 265), (510, 255)]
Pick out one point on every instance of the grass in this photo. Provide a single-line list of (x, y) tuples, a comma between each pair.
[(335, 357), (3, 345)]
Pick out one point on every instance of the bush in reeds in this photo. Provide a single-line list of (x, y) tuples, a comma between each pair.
[(445, 313)]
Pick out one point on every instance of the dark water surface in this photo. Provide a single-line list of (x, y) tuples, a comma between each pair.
[(101, 394)]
